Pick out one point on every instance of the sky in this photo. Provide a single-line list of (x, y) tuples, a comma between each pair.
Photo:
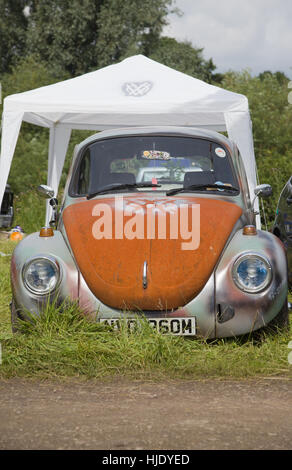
[(236, 34)]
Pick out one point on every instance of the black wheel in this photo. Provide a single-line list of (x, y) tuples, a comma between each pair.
[(15, 316), (280, 324)]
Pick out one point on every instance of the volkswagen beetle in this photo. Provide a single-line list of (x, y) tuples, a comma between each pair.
[(179, 248)]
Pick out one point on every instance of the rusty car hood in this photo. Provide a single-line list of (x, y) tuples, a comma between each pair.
[(113, 268)]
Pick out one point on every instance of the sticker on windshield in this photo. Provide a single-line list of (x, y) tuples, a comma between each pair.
[(220, 152), (156, 155)]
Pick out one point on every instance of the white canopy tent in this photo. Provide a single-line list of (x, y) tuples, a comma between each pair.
[(135, 92)]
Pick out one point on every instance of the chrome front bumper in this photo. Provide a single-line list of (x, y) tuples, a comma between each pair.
[(221, 309)]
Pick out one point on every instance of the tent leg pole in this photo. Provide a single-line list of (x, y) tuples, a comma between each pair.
[(50, 171)]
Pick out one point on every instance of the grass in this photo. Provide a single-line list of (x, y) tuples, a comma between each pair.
[(30, 211), (65, 344)]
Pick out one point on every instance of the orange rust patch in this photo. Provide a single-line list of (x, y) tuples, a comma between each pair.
[(113, 268)]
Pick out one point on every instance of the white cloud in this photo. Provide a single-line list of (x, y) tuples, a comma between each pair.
[(253, 34)]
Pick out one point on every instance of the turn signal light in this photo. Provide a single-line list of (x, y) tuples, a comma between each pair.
[(249, 230), (46, 232)]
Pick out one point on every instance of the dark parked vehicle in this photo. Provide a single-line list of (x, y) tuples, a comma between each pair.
[(6, 210), (283, 223)]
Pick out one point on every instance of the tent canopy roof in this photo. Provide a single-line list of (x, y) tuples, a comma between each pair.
[(135, 92), (137, 85)]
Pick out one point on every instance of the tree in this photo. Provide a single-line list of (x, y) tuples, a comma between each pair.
[(63, 33), (13, 26), (28, 73), (74, 37), (280, 76), (81, 36), (128, 28), (184, 57)]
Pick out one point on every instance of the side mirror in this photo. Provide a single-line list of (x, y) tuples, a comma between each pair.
[(263, 190), (46, 191)]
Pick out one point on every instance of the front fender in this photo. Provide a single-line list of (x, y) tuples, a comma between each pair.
[(245, 312), (34, 245)]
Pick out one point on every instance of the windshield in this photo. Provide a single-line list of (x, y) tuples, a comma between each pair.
[(169, 161)]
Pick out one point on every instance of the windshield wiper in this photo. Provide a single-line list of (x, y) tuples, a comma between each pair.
[(118, 186), (198, 187)]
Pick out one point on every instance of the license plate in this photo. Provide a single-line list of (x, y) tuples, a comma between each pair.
[(182, 326)]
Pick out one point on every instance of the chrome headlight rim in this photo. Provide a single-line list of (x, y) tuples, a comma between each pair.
[(260, 257), (57, 267)]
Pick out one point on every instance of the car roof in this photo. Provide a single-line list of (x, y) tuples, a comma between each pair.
[(165, 130)]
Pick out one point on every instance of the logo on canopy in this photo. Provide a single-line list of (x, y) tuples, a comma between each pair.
[(137, 88)]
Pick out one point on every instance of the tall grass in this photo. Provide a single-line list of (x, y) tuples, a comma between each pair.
[(30, 210), (6, 249), (63, 343)]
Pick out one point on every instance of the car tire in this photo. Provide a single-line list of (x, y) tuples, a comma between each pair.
[(15, 316), (281, 321)]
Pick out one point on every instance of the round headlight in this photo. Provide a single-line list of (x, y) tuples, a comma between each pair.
[(41, 275), (252, 273)]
